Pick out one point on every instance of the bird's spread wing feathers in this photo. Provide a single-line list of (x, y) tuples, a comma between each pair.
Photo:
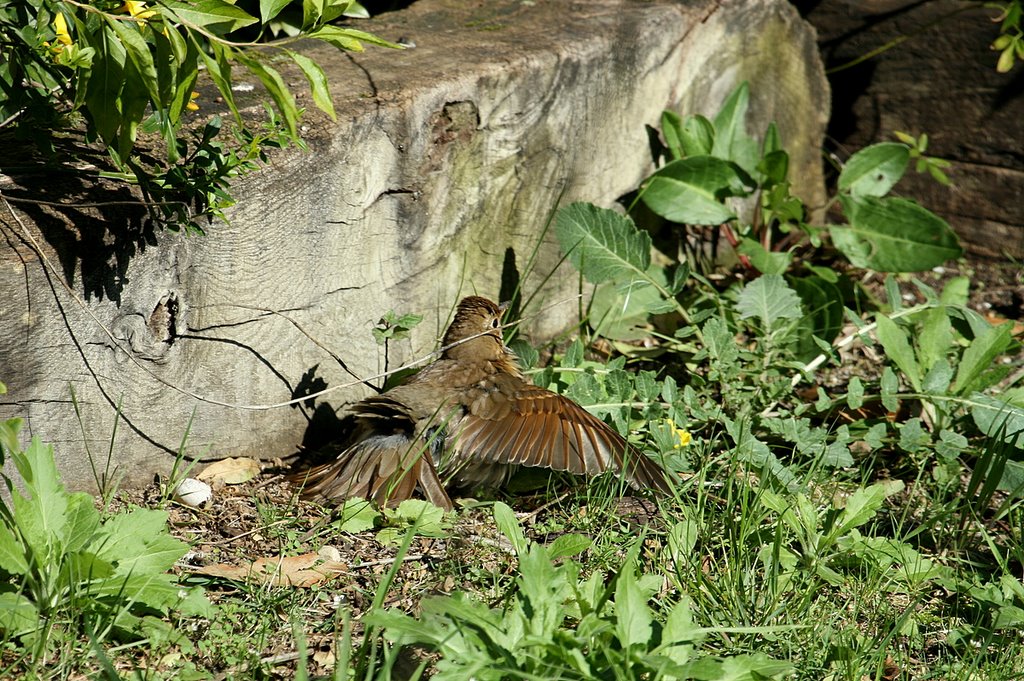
[(531, 426)]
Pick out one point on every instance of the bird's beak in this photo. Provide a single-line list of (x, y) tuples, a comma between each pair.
[(504, 306)]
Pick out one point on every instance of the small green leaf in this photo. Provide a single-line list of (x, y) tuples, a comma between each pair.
[(769, 299), (979, 356), (698, 136), (509, 526), (317, 82), (897, 348), (874, 170), (890, 386), (216, 16), (672, 131), (855, 393), (568, 545), (271, 8), (349, 39), (763, 260)]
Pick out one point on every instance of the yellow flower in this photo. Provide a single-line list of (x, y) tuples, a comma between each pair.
[(60, 25), (682, 436), (137, 10), (192, 106)]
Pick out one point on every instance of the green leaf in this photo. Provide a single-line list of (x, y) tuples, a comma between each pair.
[(13, 559), (855, 393), (42, 515), (138, 543), (271, 8), (277, 89), (731, 140), (889, 386), (769, 299), (622, 311), (893, 235), (317, 82), (216, 16), (691, 190), (569, 545), (874, 170), (349, 39), (763, 260), (509, 526), (140, 55), (897, 348), (998, 418), (357, 515), (602, 244), (698, 136), (18, 615), (979, 356), (672, 131), (633, 618)]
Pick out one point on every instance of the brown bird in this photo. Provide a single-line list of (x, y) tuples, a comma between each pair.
[(470, 417)]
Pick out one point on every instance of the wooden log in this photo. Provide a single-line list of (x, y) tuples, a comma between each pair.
[(445, 164)]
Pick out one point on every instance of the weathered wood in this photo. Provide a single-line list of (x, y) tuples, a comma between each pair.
[(941, 81), (444, 165)]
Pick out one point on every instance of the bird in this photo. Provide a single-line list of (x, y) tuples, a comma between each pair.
[(466, 421)]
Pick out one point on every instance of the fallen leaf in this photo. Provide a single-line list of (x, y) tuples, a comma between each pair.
[(306, 570), (231, 471)]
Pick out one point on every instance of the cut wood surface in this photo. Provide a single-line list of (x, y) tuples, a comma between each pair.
[(444, 166)]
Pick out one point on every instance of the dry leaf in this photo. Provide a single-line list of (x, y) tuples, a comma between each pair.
[(302, 571), (231, 471)]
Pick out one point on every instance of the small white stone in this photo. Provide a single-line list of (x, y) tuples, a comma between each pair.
[(192, 492)]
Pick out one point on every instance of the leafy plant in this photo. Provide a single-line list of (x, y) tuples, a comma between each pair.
[(65, 568), (133, 66), (1010, 43), (558, 625), (714, 164)]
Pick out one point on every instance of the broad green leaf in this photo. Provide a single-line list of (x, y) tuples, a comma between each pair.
[(979, 356), (357, 515), (691, 190), (822, 303), (874, 170), (769, 299), (18, 615), (936, 381), (855, 393), (138, 542), (622, 311), (312, 11), (568, 545), (13, 559), (862, 505), (893, 235), (216, 16), (83, 521), (41, 516), (898, 349), (271, 8), (633, 618), (317, 82), (602, 244), (998, 418)]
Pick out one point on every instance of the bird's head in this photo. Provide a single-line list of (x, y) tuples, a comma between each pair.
[(478, 320)]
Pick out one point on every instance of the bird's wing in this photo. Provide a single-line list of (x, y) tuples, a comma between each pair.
[(386, 469), (387, 465), (509, 421)]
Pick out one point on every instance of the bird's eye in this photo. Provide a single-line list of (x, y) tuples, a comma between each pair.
[(494, 323)]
